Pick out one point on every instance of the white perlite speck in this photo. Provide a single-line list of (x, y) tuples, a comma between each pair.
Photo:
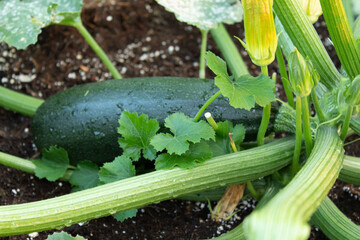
[(34, 234)]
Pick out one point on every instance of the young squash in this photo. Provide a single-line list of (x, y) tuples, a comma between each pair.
[(84, 119)]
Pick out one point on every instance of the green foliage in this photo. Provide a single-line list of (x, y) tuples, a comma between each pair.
[(21, 21), (333, 103), (205, 14), (52, 165), (63, 236), (122, 216), (352, 92), (198, 152), (184, 130), (136, 132), (85, 176), (118, 169), (221, 145), (245, 90)]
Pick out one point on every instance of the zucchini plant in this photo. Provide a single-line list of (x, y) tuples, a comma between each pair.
[(159, 119)]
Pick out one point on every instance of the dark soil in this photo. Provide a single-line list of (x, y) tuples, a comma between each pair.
[(143, 40)]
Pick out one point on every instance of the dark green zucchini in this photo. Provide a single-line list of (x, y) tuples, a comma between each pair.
[(84, 119)]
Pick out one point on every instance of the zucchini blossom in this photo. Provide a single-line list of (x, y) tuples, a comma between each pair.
[(312, 9), (260, 33), (302, 75)]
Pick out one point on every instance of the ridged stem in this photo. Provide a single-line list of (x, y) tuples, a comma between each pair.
[(342, 36), (346, 123), (19, 102), (306, 125), (144, 189), (355, 124), (287, 214), (350, 172), (295, 167), (284, 77), (348, 6), (303, 35), (265, 116), (316, 103), (229, 51), (333, 223)]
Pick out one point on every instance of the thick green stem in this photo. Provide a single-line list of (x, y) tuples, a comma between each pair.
[(348, 6), (25, 165), (317, 107), (204, 35), (206, 104), (19, 102), (333, 223), (229, 51), (306, 125), (350, 172), (284, 77), (17, 163), (342, 36), (252, 190), (295, 167), (145, 189), (95, 46), (265, 116), (346, 123), (303, 35), (287, 214)]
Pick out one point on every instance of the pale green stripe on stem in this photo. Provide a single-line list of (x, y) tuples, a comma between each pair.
[(145, 189), (284, 77), (305, 38), (342, 36)]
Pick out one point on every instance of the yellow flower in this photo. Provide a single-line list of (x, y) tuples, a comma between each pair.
[(312, 9), (260, 33)]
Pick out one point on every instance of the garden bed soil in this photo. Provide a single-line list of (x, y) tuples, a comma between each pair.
[(142, 39)]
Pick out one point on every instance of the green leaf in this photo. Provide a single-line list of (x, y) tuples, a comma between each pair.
[(63, 236), (118, 169), (21, 21), (245, 90), (52, 165), (221, 145), (85, 176), (205, 14), (136, 132), (121, 216), (198, 152), (185, 130)]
